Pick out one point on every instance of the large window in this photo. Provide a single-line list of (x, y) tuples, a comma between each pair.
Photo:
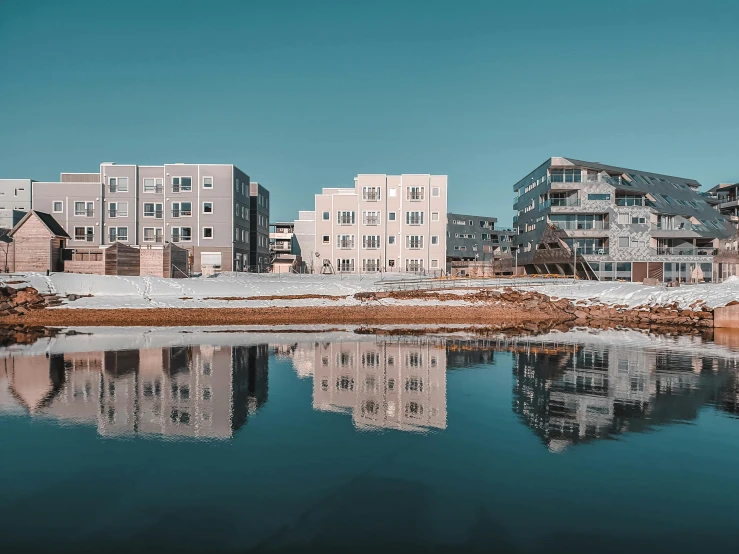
[(371, 218), (153, 234), (118, 234), (371, 264), (414, 242), (181, 184), (565, 175), (371, 241), (153, 185), (181, 234), (345, 218), (345, 242), (84, 233), (415, 194), (181, 209), (118, 209), (371, 194), (345, 265), (152, 209), (84, 209), (414, 218), (414, 265), (118, 184)]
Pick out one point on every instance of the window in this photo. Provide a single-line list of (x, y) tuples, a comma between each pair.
[(181, 209), (181, 234), (326, 216), (152, 209), (638, 220), (599, 196), (414, 218), (371, 194), (623, 242), (118, 184), (326, 239), (243, 213), (207, 232), (118, 209), (181, 184), (414, 194), (207, 207), (434, 216), (152, 234), (435, 192), (414, 242), (414, 265), (391, 239), (371, 218), (345, 242), (371, 241), (345, 218), (207, 182), (371, 264), (152, 185), (434, 239), (58, 207), (434, 264), (623, 219), (237, 185), (84, 233), (118, 234), (84, 209), (392, 192), (391, 216), (345, 265)]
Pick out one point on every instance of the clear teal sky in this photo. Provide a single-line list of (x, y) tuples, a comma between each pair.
[(305, 94)]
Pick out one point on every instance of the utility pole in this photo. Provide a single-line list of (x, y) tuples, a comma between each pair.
[(574, 264)]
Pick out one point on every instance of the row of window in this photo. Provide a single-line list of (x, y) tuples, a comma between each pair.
[(346, 265), (120, 209), (151, 234), (413, 194), (370, 242), (347, 217), (486, 248)]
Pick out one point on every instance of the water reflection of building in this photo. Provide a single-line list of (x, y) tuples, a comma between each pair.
[(190, 391), (398, 384), (578, 393)]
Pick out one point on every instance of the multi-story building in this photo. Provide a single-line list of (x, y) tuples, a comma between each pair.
[(259, 228), (383, 223), (726, 198), (475, 247), (15, 201), (617, 223), (282, 239), (204, 208)]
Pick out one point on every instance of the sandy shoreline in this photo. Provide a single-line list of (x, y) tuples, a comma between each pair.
[(350, 315)]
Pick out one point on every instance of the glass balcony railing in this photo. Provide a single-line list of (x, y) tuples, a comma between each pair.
[(581, 226), (686, 251), (589, 250), (564, 202)]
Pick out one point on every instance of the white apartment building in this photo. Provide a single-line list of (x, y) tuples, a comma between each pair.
[(383, 223)]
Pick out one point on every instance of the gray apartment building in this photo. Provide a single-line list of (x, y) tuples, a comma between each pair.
[(15, 201), (475, 247), (259, 228), (204, 208), (614, 223)]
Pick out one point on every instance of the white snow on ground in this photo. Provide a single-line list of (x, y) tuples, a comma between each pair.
[(110, 292)]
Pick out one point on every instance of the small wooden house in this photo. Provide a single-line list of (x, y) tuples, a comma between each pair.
[(168, 261), (38, 243), (121, 259)]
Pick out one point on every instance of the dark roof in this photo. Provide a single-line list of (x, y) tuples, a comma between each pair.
[(616, 169), (47, 219)]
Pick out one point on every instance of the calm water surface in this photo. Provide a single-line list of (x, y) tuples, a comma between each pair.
[(170, 441)]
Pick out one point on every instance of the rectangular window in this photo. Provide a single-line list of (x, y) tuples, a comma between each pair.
[(152, 185), (414, 265), (434, 216), (118, 184), (207, 207), (414, 242), (434, 239), (371, 242), (207, 182), (207, 232), (152, 209), (345, 242), (118, 234), (84, 233), (371, 218), (391, 216), (638, 220), (435, 192), (414, 194), (345, 218), (391, 192), (152, 234), (623, 242), (84, 209), (326, 239), (181, 234), (345, 265), (326, 216), (371, 265), (391, 239), (599, 196), (414, 218), (181, 209), (623, 219), (371, 194), (118, 209), (181, 184), (58, 206), (434, 264)]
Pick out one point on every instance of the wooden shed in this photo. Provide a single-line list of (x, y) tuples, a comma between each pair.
[(121, 259), (38, 243), (168, 261)]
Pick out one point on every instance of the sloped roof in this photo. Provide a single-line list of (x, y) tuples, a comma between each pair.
[(47, 219), (615, 169)]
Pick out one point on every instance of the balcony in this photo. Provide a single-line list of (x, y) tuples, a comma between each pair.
[(155, 214), (372, 221), (574, 226), (117, 213), (181, 213), (84, 213), (564, 202), (346, 245), (593, 251), (686, 251)]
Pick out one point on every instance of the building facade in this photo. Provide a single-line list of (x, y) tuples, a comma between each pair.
[(383, 223), (259, 228), (305, 240), (475, 247), (203, 208), (613, 223), (15, 201)]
